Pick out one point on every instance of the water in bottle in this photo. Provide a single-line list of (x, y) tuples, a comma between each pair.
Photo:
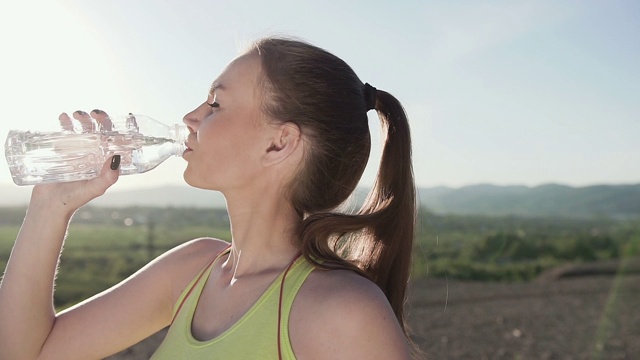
[(36, 157)]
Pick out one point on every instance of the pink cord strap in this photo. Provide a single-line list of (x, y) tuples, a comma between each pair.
[(280, 304), (184, 299)]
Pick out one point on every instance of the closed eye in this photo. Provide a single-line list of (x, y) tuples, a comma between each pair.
[(214, 104)]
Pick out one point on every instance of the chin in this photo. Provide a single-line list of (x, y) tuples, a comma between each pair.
[(194, 182), (189, 179)]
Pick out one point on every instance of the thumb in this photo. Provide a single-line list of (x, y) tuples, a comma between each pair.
[(109, 174)]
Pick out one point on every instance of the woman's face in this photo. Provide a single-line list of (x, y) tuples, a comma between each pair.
[(229, 132)]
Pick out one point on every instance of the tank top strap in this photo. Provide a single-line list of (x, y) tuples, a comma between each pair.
[(292, 284), (192, 284)]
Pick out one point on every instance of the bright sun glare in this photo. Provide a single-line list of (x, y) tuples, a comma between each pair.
[(51, 59)]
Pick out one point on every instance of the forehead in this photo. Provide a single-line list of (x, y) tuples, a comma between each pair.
[(241, 74)]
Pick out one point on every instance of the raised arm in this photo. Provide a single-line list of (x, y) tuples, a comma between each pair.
[(26, 292), (103, 324)]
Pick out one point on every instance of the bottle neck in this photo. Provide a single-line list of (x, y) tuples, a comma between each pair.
[(179, 134)]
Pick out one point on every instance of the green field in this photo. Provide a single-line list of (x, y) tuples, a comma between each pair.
[(516, 248), (106, 245)]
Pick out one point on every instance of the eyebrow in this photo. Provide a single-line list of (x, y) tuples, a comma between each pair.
[(216, 86)]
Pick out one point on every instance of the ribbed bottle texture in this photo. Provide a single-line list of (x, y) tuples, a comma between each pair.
[(36, 157)]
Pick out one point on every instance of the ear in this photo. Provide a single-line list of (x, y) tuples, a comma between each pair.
[(286, 141)]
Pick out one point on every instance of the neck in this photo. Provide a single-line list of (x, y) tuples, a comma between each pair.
[(263, 234)]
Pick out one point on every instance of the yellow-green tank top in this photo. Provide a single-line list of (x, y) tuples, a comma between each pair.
[(253, 336)]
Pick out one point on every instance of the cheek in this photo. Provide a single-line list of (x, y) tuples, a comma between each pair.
[(229, 150), (218, 141), (221, 148)]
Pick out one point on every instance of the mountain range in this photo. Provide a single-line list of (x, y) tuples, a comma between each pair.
[(612, 201)]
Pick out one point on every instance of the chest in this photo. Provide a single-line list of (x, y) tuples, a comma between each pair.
[(223, 303)]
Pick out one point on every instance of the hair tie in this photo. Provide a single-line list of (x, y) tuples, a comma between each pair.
[(370, 96)]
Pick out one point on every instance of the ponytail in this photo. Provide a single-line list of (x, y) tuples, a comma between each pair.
[(377, 241), (392, 205), (321, 94)]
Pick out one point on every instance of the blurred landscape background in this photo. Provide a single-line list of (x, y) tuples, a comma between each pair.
[(525, 141), (499, 271)]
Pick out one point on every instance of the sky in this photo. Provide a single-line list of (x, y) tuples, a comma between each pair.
[(500, 92)]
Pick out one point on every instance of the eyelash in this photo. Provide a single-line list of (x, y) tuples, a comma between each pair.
[(214, 105)]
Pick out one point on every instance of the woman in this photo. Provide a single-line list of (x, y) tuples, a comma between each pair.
[(284, 136)]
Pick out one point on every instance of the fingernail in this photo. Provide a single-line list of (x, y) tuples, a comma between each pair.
[(97, 111), (115, 162)]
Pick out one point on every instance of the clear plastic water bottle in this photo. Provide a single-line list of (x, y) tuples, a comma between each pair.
[(37, 157)]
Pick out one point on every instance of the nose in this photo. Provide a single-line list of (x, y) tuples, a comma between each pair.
[(192, 120)]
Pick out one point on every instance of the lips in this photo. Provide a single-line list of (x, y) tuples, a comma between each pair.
[(186, 144), (187, 149)]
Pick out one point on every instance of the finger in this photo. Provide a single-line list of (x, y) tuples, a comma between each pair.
[(109, 174), (103, 120), (111, 170), (65, 122), (132, 124), (85, 121)]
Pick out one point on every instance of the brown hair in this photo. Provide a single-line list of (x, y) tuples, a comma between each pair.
[(320, 93)]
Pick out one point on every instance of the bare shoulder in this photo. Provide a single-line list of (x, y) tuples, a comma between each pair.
[(342, 286), (349, 317), (190, 250), (183, 262)]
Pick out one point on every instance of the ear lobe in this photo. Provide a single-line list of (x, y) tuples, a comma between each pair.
[(285, 141)]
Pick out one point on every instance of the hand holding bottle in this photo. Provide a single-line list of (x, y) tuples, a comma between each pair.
[(69, 196), (78, 152)]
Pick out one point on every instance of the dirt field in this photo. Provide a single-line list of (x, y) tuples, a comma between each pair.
[(596, 317), (557, 317)]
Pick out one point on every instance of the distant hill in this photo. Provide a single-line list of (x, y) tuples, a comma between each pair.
[(614, 201), (178, 196)]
